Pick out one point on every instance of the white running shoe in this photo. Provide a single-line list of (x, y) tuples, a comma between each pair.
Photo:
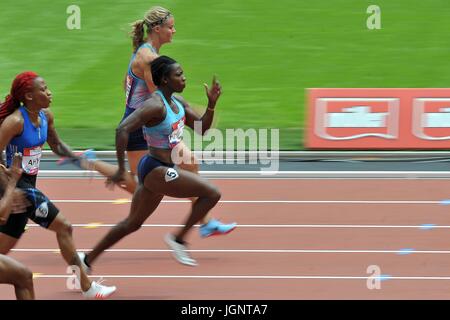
[(98, 291), (179, 251), (86, 268)]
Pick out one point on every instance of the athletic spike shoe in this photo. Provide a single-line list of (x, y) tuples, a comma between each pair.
[(88, 155), (98, 291), (215, 228), (179, 251)]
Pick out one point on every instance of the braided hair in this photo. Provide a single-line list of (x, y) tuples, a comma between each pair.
[(22, 84)]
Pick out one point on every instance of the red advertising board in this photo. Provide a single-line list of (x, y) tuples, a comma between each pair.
[(378, 119)]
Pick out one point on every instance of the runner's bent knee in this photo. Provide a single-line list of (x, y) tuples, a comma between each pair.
[(65, 227), (24, 277), (214, 193), (131, 225)]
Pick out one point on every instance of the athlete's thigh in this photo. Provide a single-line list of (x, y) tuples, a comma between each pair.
[(177, 183), (143, 204), (133, 159), (7, 243), (12, 231)]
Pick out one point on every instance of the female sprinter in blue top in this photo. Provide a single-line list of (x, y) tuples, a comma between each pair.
[(163, 116), (26, 124)]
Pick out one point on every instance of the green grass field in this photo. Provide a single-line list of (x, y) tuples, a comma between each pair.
[(265, 53)]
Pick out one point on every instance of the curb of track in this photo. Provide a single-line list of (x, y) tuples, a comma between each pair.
[(291, 155), (80, 174)]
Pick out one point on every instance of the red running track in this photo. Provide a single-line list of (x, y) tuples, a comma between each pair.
[(282, 250)]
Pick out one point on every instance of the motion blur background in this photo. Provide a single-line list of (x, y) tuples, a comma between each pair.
[(265, 53)]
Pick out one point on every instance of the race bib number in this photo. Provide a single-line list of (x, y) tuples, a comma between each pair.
[(171, 174), (31, 159), (177, 133)]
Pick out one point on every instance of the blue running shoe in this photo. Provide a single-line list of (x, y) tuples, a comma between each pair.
[(215, 228), (88, 155)]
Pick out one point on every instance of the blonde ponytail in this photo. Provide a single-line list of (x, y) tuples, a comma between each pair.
[(137, 33)]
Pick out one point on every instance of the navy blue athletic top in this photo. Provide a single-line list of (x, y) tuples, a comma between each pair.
[(29, 143)]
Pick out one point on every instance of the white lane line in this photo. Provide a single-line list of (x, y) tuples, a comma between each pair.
[(350, 226), (269, 201), (400, 251), (50, 276)]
